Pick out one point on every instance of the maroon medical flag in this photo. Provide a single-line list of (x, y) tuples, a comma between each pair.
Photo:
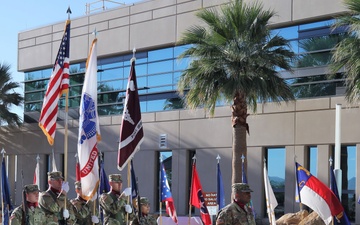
[(58, 84), (197, 198), (131, 131)]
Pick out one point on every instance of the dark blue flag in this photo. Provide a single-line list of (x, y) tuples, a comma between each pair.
[(6, 202), (134, 188), (220, 189), (344, 220), (244, 180), (104, 186)]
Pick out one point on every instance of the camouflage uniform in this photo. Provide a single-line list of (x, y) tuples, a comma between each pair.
[(34, 214), (82, 209), (113, 205), (53, 203), (233, 214), (145, 219)]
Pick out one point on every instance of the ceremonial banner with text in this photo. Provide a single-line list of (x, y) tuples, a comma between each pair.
[(131, 131), (89, 129)]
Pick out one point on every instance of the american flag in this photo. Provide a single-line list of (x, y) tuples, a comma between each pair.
[(58, 84), (166, 195)]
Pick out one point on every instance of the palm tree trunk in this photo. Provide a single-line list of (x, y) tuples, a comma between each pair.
[(240, 127)]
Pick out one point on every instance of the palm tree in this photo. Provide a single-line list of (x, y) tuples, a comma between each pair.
[(347, 52), (8, 97), (235, 58)]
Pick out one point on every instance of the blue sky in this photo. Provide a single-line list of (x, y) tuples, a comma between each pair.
[(24, 15)]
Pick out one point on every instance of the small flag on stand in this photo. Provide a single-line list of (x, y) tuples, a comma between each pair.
[(58, 85), (89, 129), (220, 198), (37, 172), (131, 131), (197, 198), (317, 195), (271, 201), (166, 194)]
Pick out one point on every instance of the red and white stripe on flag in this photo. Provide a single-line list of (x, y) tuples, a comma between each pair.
[(37, 175), (131, 131), (58, 84), (89, 129)]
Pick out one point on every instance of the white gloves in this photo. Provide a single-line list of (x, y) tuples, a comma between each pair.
[(127, 191), (65, 186), (94, 219), (66, 213), (128, 208)]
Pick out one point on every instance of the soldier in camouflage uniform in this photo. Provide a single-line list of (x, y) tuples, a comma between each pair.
[(33, 214), (52, 201), (114, 204), (83, 209), (237, 212), (145, 218)]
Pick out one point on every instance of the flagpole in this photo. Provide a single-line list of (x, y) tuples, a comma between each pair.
[(129, 182), (160, 205), (192, 177), (16, 164), (330, 162), (217, 175), (2, 196), (66, 123)]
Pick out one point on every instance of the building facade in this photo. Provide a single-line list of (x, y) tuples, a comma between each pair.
[(302, 131)]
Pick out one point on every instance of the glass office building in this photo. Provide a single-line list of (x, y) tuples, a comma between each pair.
[(158, 72)]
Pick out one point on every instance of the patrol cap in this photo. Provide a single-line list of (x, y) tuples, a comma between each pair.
[(31, 188), (115, 178), (241, 187), (77, 185), (55, 175), (144, 201)]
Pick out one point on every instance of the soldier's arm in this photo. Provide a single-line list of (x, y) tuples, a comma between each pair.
[(82, 210), (122, 201), (108, 204), (47, 203), (16, 217)]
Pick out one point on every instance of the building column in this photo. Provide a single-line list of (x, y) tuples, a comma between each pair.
[(255, 165), (323, 166)]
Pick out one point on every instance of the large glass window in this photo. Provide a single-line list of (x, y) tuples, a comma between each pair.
[(276, 172), (313, 156)]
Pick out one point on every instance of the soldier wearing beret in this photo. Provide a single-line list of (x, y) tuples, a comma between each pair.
[(83, 209), (145, 218), (29, 213), (114, 204), (53, 200), (237, 212)]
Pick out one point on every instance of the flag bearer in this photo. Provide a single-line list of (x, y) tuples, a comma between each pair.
[(29, 213), (114, 203), (237, 212), (145, 218), (83, 209), (52, 201)]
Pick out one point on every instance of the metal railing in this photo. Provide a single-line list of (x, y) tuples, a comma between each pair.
[(99, 6)]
